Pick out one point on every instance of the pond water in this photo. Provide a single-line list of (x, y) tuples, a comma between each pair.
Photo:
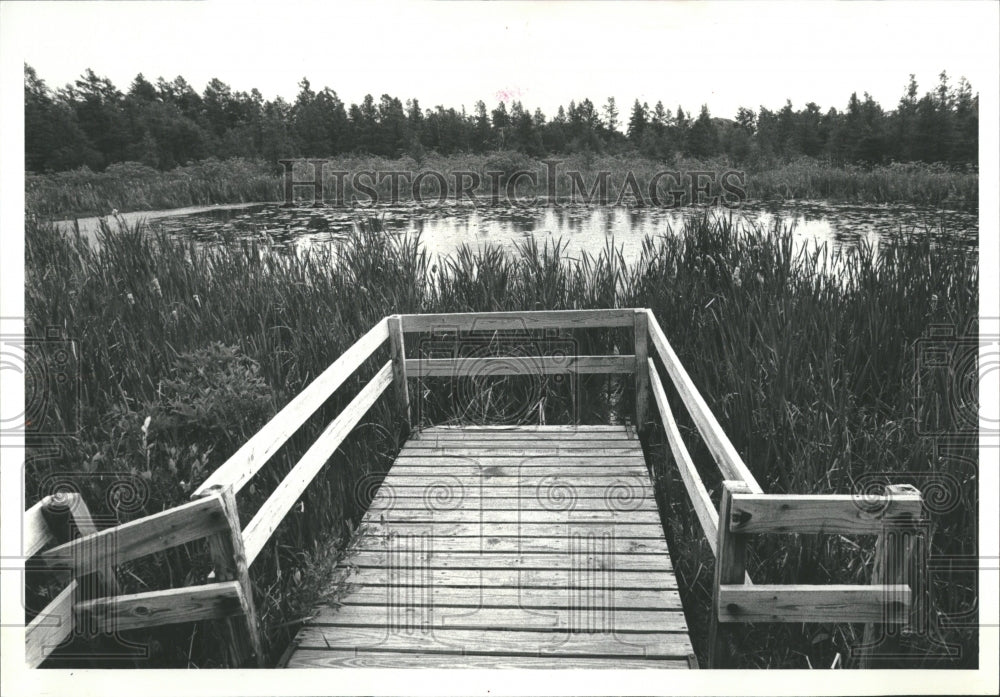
[(443, 228)]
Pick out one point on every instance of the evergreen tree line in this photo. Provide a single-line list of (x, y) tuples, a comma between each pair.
[(92, 123)]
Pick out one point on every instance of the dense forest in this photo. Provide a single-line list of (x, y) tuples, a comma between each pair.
[(92, 123)]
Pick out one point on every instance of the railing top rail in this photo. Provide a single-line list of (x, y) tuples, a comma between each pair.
[(543, 319), (726, 457)]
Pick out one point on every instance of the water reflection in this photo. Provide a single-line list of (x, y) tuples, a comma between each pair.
[(443, 229)]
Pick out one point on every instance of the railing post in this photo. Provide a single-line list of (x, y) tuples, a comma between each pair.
[(230, 563), (84, 522), (895, 551), (730, 569), (398, 349), (641, 327)]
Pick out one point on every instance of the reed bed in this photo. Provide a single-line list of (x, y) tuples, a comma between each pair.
[(185, 351)]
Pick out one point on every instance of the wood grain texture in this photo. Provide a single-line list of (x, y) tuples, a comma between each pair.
[(495, 430), (524, 478), (526, 473), (533, 451), (893, 565), (473, 502), (575, 435), (509, 619), (230, 563), (622, 495), (697, 494), (471, 548), (50, 628), (730, 569), (831, 514), (106, 578), (583, 559), (518, 365), (729, 461), (486, 530), (390, 517), (397, 347), (155, 533), (524, 643), (641, 332), (254, 454), (489, 444), (797, 603), (517, 321), (327, 658), (154, 608), (35, 533), (611, 580), (530, 598), (561, 459), (510, 545)]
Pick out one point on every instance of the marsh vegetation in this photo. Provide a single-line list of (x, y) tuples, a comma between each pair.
[(186, 350)]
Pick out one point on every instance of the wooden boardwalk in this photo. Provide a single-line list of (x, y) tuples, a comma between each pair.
[(530, 547), (490, 546)]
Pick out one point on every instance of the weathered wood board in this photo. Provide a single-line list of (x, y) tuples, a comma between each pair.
[(506, 547)]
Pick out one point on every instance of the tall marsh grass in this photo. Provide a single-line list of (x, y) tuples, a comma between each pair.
[(812, 374)]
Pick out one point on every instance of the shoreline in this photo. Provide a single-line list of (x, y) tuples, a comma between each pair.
[(130, 187)]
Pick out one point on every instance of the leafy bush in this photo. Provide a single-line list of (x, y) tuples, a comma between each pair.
[(215, 396)]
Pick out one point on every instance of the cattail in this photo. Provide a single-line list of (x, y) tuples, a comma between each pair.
[(156, 287)]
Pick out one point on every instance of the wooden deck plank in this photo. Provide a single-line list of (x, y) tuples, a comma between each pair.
[(327, 658), (593, 530), (491, 444), (534, 598), (529, 643), (627, 493), (396, 557), (532, 428), (595, 579), (631, 464), (535, 451), (513, 545), (507, 503), (638, 480), (390, 516), (510, 618), (533, 546), (633, 469), (451, 435)]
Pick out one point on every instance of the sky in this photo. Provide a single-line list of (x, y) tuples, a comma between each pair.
[(723, 54)]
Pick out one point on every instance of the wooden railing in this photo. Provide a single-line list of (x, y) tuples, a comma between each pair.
[(744, 509), (212, 514), (99, 552)]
